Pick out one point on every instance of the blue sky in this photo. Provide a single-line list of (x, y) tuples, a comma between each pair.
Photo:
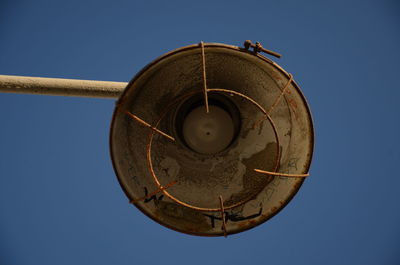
[(60, 202)]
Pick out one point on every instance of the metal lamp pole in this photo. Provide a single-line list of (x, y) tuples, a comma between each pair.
[(60, 87)]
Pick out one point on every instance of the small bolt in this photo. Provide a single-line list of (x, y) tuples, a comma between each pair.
[(258, 47), (247, 44)]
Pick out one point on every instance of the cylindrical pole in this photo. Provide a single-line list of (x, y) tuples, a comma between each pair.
[(60, 87)]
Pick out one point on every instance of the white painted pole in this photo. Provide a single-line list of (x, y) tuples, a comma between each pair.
[(60, 87)]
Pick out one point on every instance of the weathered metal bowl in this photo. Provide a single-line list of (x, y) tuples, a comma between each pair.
[(211, 194)]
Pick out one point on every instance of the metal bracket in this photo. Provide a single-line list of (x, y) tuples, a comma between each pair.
[(257, 48)]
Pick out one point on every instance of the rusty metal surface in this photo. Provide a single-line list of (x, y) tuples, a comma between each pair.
[(245, 175), (60, 87)]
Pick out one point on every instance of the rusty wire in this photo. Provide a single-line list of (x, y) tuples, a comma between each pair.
[(221, 203), (136, 118), (277, 100), (281, 174), (205, 90)]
